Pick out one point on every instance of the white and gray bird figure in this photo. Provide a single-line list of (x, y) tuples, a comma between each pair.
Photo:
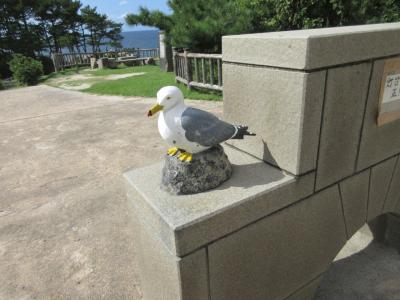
[(190, 130)]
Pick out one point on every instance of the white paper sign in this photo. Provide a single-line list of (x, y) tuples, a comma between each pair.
[(392, 88), (389, 102)]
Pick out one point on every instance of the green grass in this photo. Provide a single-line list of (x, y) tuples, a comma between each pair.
[(104, 72), (145, 85), (65, 72)]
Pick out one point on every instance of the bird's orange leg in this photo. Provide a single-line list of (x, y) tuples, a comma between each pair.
[(185, 156), (172, 151)]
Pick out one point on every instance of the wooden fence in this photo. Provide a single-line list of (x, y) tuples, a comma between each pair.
[(65, 60), (199, 70)]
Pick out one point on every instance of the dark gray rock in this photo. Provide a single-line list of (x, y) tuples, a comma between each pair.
[(207, 170)]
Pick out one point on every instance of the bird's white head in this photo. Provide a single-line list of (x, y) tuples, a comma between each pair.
[(167, 98)]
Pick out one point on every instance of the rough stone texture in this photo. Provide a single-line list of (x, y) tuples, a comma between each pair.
[(381, 176), (283, 109), (315, 48), (187, 222), (377, 143), (354, 192), (342, 118), (162, 275), (65, 230), (307, 292), (281, 253), (207, 170), (393, 195)]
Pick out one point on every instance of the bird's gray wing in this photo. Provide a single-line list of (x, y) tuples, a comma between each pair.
[(204, 128)]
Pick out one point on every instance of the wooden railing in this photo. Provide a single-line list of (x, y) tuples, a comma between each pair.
[(151, 52), (198, 70), (65, 60)]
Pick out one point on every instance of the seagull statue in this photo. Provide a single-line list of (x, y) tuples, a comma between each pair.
[(189, 130)]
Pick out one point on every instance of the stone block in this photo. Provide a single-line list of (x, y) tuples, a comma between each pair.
[(381, 176), (102, 63), (354, 192), (163, 276), (307, 292), (282, 107), (315, 48), (346, 91), (393, 195), (377, 143), (276, 256), (186, 222)]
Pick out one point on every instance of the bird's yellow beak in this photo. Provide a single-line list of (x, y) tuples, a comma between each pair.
[(155, 109)]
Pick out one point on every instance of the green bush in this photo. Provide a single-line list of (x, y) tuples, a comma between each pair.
[(25, 70), (1, 85)]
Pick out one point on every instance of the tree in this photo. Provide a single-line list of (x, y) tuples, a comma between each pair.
[(16, 29), (154, 18), (270, 15), (18, 33), (100, 30), (199, 25), (31, 27), (57, 19)]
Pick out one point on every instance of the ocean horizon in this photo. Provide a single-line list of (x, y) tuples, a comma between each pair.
[(143, 39)]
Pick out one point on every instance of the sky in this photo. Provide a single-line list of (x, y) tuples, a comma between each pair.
[(117, 9)]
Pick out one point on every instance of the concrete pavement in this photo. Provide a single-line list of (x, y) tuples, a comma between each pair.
[(64, 228)]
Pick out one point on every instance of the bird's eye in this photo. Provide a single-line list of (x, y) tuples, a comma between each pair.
[(168, 98)]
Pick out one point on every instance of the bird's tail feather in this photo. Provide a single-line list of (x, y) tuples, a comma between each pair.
[(241, 131)]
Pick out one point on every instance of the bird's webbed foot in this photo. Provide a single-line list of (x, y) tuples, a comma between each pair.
[(185, 156), (172, 151)]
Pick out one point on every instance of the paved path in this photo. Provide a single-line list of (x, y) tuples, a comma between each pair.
[(65, 232), (64, 228)]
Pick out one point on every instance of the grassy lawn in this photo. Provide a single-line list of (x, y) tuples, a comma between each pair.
[(104, 72), (145, 85), (66, 72)]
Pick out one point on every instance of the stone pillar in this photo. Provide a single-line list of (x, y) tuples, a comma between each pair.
[(166, 63), (93, 62), (319, 169), (102, 63)]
